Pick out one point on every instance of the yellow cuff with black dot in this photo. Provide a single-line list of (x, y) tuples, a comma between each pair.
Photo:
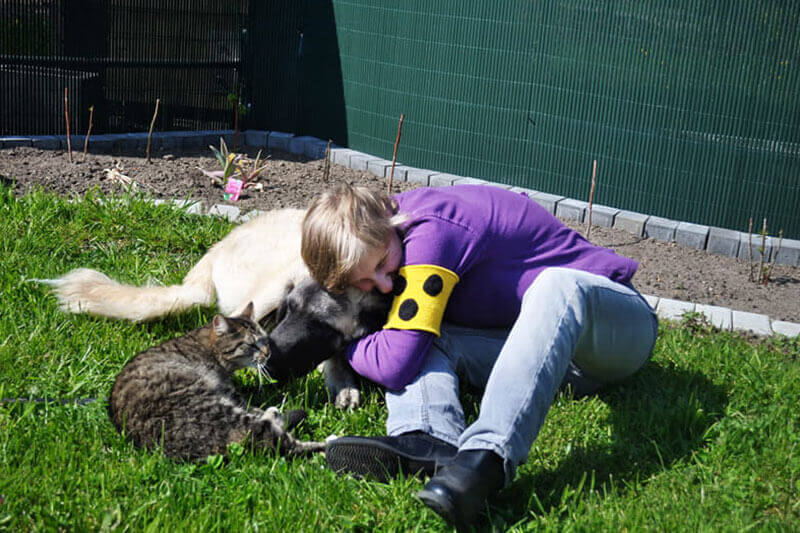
[(421, 294)]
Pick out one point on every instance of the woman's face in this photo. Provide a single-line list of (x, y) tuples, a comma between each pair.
[(376, 269)]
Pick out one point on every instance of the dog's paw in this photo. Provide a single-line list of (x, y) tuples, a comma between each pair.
[(348, 398)]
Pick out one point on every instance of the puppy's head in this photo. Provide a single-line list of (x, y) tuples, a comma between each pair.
[(313, 325)]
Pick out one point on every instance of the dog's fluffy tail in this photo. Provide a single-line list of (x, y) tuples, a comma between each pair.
[(88, 291)]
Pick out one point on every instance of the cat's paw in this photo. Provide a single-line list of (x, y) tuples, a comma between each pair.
[(348, 398)]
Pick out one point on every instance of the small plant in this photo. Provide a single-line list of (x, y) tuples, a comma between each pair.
[(764, 267), (245, 170), (227, 160)]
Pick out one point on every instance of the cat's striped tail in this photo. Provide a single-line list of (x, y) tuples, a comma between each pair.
[(88, 291)]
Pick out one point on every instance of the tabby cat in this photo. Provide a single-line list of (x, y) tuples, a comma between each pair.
[(180, 396)]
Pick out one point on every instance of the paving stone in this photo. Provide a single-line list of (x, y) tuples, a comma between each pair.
[(192, 206), (13, 142), (651, 300), (400, 173), (631, 222), (602, 215), (788, 253), (212, 137), (719, 317), (98, 143), (192, 139), (670, 309), (256, 138), (525, 192), (379, 167), (169, 140), (361, 161), (722, 241), (317, 149), (470, 181), (748, 247), (752, 322), (297, 145), (548, 201), (790, 329), (341, 156), (418, 175), (46, 142), (660, 229), (250, 215), (571, 209), (442, 179), (279, 140), (692, 235), (500, 185), (230, 212)]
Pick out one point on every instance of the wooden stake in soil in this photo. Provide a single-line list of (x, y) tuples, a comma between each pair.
[(591, 196), (394, 154), (774, 257), (327, 172), (66, 116), (88, 132), (150, 133)]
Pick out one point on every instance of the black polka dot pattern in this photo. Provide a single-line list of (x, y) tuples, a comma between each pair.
[(433, 285), (408, 309), (399, 285)]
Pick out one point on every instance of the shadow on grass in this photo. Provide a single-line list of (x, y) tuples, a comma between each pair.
[(658, 417)]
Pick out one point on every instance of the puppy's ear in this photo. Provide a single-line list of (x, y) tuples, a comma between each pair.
[(247, 312)]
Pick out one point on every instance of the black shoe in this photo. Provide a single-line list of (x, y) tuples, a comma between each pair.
[(459, 490), (385, 458)]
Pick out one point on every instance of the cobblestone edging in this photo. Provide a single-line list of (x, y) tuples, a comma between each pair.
[(712, 239)]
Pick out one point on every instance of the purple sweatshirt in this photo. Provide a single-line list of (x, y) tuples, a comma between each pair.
[(497, 241)]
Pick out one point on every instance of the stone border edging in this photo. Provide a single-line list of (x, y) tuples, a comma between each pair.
[(715, 240)]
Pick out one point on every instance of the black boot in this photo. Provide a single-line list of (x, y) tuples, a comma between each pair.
[(459, 490), (384, 458)]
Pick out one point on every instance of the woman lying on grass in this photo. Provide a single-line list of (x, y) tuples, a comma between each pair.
[(528, 304)]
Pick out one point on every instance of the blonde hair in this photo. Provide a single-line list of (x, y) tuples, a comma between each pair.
[(341, 227)]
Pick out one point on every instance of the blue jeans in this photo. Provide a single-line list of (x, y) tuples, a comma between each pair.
[(573, 327)]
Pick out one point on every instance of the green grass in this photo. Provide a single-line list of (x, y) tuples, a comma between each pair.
[(704, 438)]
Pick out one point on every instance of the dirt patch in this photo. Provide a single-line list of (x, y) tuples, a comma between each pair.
[(665, 269)]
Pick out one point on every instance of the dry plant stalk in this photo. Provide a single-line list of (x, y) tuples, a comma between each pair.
[(150, 132), (774, 257), (66, 116), (88, 132), (327, 169), (591, 197), (394, 154)]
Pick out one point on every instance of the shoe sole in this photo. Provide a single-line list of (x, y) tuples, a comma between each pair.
[(373, 459)]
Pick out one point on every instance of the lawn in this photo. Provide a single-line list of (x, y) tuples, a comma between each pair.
[(705, 438)]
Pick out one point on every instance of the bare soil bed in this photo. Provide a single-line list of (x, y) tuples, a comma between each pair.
[(665, 269)]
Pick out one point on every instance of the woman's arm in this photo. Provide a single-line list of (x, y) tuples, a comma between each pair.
[(390, 357)]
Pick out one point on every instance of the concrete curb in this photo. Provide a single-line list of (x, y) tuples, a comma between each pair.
[(714, 240)]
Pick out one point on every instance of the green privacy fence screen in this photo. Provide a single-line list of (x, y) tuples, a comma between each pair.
[(690, 108)]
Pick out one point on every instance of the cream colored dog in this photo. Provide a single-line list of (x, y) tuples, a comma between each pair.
[(258, 261)]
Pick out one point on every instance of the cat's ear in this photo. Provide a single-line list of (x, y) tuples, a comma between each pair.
[(247, 312), (220, 324)]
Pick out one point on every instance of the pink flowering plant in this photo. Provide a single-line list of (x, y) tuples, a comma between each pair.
[(237, 171)]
